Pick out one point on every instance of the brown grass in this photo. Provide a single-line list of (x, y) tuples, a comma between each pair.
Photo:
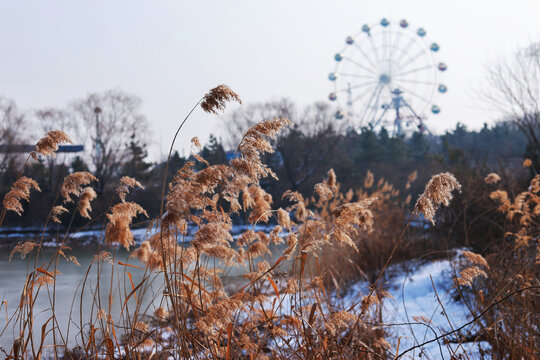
[(281, 303)]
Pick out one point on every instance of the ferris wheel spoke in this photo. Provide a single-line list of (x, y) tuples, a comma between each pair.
[(395, 46), (413, 71), (412, 59), (356, 86), (376, 106), (360, 65), (364, 93), (417, 82), (374, 49), (417, 117), (367, 111), (373, 94), (378, 121), (384, 47), (409, 91), (390, 48), (407, 47), (374, 65), (372, 77)]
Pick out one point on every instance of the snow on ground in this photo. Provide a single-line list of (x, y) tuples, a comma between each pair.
[(415, 295), (92, 236), (414, 298)]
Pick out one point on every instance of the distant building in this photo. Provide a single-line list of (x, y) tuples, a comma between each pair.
[(29, 148), (232, 154)]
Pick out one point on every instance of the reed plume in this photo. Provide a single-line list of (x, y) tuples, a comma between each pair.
[(467, 275), (476, 259), (438, 192), (20, 190), (217, 98), (284, 220), (254, 143), (126, 183), (56, 212), (492, 179), (368, 181), (501, 197), (73, 184), (211, 234), (87, 195), (47, 145), (117, 230), (326, 189), (412, 178), (535, 185), (262, 204), (23, 248), (161, 313), (247, 238), (351, 218), (299, 206), (102, 256), (331, 181), (195, 142), (47, 279)]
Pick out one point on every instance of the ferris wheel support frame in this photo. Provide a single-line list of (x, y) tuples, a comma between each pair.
[(393, 76)]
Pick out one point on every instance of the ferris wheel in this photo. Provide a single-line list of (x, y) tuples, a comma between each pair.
[(387, 75)]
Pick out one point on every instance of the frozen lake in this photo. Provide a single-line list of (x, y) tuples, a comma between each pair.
[(68, 301), (414, 291)]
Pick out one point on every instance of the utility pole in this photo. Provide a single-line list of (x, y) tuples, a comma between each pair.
[(97, 112)]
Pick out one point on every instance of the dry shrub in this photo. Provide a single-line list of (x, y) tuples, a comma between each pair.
[(381, 225), (507, 293)]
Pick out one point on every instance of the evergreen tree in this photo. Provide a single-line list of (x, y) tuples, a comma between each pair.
[(78, 164), (418, 146), (135, 165), (213, 152)]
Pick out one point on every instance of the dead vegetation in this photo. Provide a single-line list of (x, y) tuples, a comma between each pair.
[(282, 304)]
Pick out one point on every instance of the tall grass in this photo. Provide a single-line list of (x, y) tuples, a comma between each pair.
[(282, 300)]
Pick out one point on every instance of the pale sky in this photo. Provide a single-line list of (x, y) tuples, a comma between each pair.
[(170, 53)]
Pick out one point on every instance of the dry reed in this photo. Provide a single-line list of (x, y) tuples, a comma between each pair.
[(280, 306), (20, 190)]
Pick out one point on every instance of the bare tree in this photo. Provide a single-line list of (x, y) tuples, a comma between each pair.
[(238, 121), (49, 119), (13, 132), (309, 120), (305, 149), (514, 89), (110, 119)]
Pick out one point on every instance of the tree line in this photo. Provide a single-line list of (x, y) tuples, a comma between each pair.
[(116, 145)]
